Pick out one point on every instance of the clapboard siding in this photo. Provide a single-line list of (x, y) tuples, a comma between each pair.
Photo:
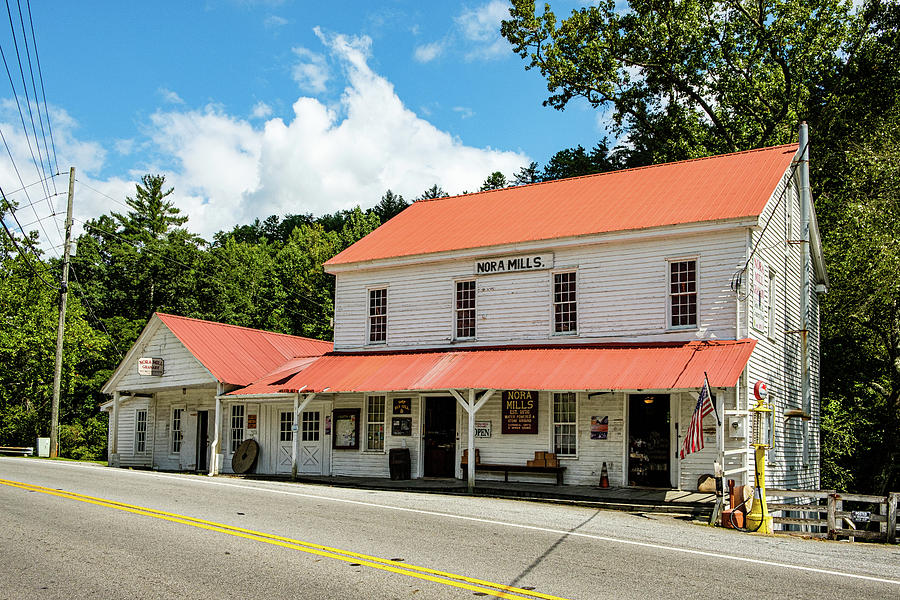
[(777, 357), (582, 469), (622, 293), (181, 368), (190, 400), (363, 463), (126, 446)]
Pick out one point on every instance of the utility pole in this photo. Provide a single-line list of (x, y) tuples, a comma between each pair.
[(63, 296)]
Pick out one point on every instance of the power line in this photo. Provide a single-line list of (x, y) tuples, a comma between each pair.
[(39, 164), (107, 196), (34, 87), (90, 310), (15, 243), (43, 89)]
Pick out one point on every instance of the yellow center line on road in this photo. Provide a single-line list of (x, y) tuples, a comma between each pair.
[(425, 573)]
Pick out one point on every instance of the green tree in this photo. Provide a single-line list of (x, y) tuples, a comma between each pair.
[(152, 216), (433, 193), (390, 206), (574, 162), (494, 181), (527, 174), (689, 77)]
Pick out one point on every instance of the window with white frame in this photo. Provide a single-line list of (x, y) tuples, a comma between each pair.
[(565, 434), (465, 309), (311, 426), (375, 422), (140, 431), (683, 293), (378, 316), (565, 308), (237, 426), (176, 430), (286, 431)]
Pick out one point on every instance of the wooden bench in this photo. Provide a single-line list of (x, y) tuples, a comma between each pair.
[(507, 469), (17, 450)]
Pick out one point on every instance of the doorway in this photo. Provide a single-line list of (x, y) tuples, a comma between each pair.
[(440, 437), (202, 440), (649, 447)]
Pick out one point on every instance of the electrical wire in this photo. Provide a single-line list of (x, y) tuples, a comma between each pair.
[(15, 243), (43, 89), (90, 310), (34, 87), (39, 164)]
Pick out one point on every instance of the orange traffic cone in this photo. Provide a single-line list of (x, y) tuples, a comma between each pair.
[(604, 477)]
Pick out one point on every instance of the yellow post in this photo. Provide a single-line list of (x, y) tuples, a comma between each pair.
[(758, 519)]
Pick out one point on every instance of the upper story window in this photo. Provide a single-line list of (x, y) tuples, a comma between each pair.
[(683, 293), (378, 316), (176, 430), (237, 426), (565, 309), (465, 309), (375, 422)]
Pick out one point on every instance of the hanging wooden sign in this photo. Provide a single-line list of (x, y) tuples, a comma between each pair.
[(520, 411)]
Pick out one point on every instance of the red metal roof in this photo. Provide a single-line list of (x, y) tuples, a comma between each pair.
[(240, 355), (652, 366), (729, 186)]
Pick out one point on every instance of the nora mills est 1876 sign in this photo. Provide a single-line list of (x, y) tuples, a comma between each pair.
[(520, 411)]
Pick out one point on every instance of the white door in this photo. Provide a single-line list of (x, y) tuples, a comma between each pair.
[(311, 448), (284, 440)]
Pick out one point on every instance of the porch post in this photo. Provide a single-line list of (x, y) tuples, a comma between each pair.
[(215, 448), (470, 467), (295, 449), (114, 430)]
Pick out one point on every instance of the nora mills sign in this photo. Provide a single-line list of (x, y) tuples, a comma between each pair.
[(511, 264)]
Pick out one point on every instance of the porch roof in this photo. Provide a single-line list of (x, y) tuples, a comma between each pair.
[(634, 366)]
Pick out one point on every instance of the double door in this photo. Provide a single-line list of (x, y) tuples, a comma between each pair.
[(311, 457)]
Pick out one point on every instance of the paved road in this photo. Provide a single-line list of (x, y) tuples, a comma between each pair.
[(72, 530)]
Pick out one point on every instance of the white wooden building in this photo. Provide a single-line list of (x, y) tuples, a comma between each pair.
[(575, 317)]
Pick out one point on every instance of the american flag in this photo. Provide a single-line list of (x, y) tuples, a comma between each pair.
[(693, 441)]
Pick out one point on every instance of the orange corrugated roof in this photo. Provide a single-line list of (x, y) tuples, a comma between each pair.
[(240, 355), (728, 186), (666, 365)]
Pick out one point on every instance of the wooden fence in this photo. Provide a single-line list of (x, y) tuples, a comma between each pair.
[(835, 515)]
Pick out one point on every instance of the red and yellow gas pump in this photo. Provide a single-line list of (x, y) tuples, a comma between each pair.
[(759, 520)]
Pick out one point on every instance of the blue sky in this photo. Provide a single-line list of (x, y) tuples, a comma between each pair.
[(252, 108)]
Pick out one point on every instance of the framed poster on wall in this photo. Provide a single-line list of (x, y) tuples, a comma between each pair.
[(346, 429)]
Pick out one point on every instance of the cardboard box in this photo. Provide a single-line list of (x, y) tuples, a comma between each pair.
[(529, 463), (552, 462), (540, 455), (540, 462)]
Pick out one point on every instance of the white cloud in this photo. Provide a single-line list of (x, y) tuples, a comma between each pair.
[(273, 21), (228, 170), (464, 112), (311, 73), (481, 27), (261, 110), (428, 52), (170, 97)]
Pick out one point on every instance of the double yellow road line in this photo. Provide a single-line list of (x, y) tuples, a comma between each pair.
[(450, 579)]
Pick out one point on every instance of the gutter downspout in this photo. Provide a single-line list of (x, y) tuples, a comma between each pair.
[(114, 426), (805, 202), (214, 454)]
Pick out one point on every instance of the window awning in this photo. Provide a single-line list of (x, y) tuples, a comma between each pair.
[(638, 366)]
